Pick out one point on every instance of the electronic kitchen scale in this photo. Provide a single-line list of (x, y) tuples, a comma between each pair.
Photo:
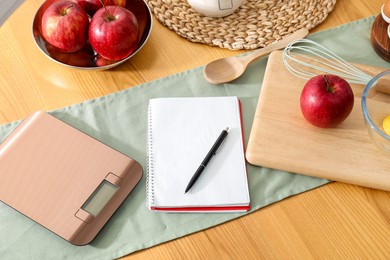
[(62, 178)]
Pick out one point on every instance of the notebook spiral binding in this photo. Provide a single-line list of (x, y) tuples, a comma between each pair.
[(149, 163)]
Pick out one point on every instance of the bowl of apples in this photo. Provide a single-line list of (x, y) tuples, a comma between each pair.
[(375, 104), (91, 34)]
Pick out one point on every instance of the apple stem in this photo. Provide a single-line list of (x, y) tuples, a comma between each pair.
[(328, 86), (109, 16), (65, 11)]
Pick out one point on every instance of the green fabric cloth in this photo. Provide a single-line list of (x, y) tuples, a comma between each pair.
[(119, 120)]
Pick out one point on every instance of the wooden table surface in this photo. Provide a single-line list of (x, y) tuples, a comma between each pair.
[(334, 221)]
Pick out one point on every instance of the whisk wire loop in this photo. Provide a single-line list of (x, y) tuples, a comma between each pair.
[(306, 59)]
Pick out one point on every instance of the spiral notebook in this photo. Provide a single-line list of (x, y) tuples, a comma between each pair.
[(181, 132)]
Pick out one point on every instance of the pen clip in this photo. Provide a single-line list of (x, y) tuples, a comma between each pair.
[(223, 141)]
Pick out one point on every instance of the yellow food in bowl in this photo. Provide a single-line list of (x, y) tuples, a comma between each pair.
[(386, 125)]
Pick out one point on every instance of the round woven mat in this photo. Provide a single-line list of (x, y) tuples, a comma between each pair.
[(257, 23)]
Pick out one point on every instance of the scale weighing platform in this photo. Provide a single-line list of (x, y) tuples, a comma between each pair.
[(63, 179)]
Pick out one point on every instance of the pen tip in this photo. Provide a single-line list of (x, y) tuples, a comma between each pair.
[(227, 129)]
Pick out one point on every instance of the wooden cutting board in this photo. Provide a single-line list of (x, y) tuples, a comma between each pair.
[(282, 139)]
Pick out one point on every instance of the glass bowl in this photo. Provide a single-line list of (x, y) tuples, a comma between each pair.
[(87, 58), (376, 106)]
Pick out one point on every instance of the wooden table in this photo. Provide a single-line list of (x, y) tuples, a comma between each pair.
[(335, 221)]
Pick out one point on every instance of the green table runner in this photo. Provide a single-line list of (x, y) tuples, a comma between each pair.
[(119, 120)]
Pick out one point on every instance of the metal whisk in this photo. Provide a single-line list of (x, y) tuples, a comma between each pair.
[(306, 59)]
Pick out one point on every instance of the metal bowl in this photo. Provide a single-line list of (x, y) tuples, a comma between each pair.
[(85, 58)]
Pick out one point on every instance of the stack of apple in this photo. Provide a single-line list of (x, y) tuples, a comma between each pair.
[(110, 28)]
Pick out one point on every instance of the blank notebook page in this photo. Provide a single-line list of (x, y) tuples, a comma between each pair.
[(181, 132)]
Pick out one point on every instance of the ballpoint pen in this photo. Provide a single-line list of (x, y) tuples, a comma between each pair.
[(207, 159)]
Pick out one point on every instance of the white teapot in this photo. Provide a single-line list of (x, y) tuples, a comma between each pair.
[(215, 8)]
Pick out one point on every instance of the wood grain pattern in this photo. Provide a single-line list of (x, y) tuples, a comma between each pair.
[(335, 221), (280, 137)]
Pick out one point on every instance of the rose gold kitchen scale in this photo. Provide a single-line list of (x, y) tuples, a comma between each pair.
[(62, 178)]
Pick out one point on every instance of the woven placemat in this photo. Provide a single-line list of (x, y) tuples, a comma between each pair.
[(257, 23)]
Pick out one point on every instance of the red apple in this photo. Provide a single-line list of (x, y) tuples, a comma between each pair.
[(113, 32), (326, 100), (65, 26), (91, 6), (115, 2)]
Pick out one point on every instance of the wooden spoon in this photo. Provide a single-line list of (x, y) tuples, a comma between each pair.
[(228, 69)]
